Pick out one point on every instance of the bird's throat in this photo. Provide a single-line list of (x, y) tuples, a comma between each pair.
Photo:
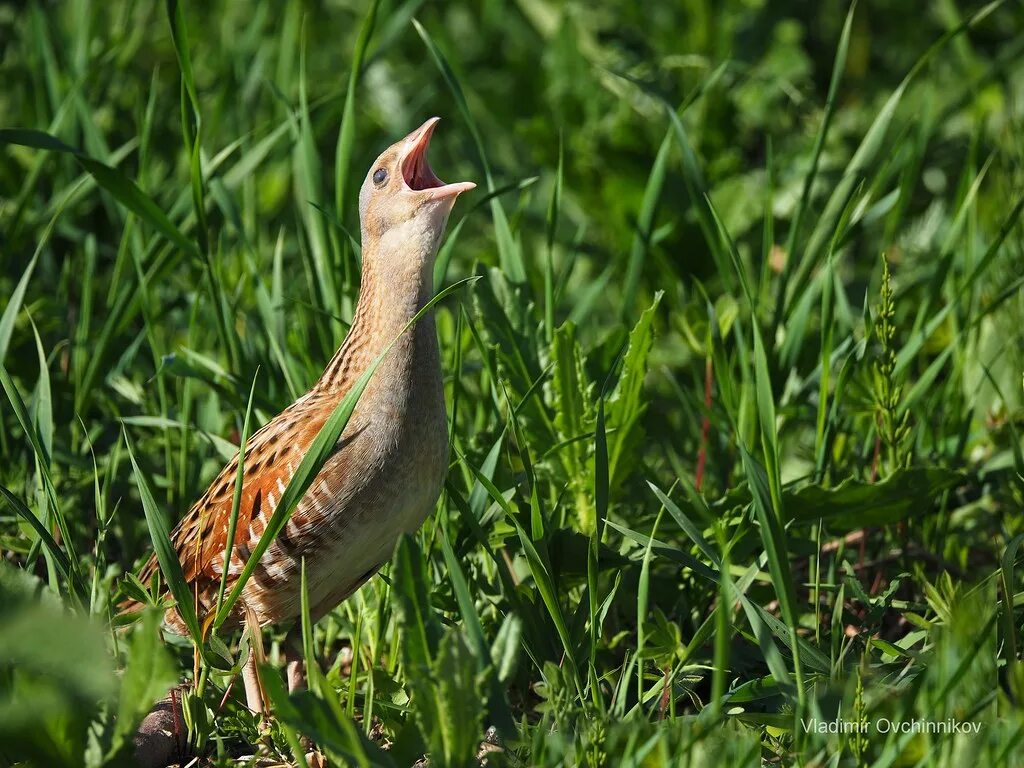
[(392, 290)]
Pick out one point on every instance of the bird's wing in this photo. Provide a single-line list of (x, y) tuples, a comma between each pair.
[(272, 456)]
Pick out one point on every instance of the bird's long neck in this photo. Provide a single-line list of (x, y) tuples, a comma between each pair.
[(393, 288)]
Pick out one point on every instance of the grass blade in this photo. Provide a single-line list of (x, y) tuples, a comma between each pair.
[(645, 224), (347, 130), (838, 68), (321, 449), (166, 554), (113, 181), (236, 499)]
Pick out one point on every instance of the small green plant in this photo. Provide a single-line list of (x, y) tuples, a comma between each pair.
[(859, 740), (892, 420)]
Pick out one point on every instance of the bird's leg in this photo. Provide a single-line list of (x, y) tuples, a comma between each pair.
[(291, 649), (295, 671), (251, 678), (250, 672)]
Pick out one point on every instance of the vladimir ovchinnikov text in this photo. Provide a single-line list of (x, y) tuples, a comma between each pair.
[(885, 725)]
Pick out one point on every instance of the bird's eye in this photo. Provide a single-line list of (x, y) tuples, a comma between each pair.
[(380, 176)]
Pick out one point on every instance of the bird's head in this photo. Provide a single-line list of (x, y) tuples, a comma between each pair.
[(403, 206)]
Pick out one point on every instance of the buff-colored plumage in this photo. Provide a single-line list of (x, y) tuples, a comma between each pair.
[(389, 466)]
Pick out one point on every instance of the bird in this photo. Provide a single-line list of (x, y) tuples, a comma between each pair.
[(386, 471)]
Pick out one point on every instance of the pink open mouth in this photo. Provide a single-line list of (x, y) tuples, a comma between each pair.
[(416, 171)]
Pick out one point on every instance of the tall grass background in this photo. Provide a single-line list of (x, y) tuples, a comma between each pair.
[(735, 399)]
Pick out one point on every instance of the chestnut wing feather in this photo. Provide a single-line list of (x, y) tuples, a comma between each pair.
[(272, 456)]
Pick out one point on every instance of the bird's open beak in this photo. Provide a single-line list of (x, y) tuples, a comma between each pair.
[(416, 171)]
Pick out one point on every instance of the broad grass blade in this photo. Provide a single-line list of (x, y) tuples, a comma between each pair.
[(166, 554)]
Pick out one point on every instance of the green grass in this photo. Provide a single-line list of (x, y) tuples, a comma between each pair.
[(735, 395)]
